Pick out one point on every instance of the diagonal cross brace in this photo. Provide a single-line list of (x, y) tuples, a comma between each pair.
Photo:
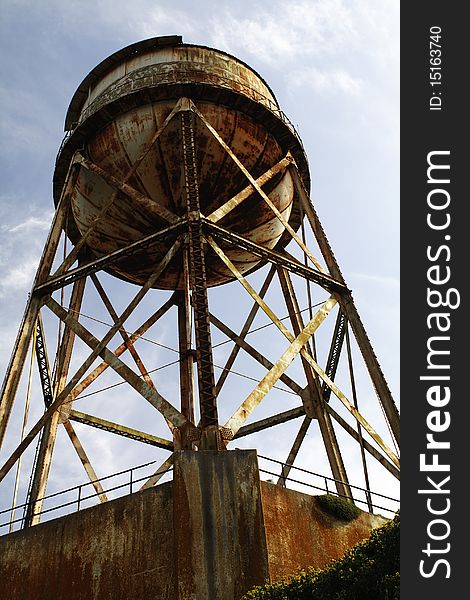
[(140, 199), (280, 259), (257, 187), (338, 393), (141, 386), (226, 208), (89, 379), (70, 259), (265, 385)]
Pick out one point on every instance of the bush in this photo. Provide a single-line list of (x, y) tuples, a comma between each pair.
[(368, 571), (338, 507)]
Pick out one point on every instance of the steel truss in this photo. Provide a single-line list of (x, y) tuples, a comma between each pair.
[(191, 237)]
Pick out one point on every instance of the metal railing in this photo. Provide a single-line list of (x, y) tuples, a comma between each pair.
[(78, 489), (79, 497), (141, 79), (328, 489)]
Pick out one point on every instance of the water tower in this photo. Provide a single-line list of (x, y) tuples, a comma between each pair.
[(180, 172)]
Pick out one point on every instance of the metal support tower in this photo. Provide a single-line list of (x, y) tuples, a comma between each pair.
[(191, 237)]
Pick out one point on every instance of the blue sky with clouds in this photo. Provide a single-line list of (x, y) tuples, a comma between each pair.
[(334, 67)]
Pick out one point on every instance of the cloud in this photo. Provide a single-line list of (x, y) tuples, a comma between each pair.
[(287, 32), (31, 224), (328, 47), (21, 245), (114, 19), (19, 277), (335, 81), (157, 21)]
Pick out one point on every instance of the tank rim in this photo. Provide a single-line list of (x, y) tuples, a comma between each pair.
[(81, 93)]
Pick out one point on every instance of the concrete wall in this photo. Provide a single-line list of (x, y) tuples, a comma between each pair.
[(230, 532), (300, 534), (220, 543), (118, 550)]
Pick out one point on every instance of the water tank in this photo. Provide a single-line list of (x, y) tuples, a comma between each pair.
[(122, 103)]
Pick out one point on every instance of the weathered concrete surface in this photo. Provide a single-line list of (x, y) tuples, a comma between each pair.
[(210, 535), (300, 534), (117, 550), (220, 545)]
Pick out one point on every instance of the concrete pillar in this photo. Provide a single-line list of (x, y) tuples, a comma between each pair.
[(220, 543)]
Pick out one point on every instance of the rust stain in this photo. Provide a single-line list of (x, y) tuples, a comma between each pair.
[(121, 549), (300, 535)]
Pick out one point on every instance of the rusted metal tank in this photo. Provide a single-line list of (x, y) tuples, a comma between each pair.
[(118, 108)]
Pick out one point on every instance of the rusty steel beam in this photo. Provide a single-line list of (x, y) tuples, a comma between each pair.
[(23, 432), (348, 307), (313, 400), (43, 460), (72, 256), (139, 199), (370, 449), (89, 379), (265, 385), (66, 347), (257, 187), (60, 280), (186, 365), (41, 471), (359, 430), (43, 363), (27, 327), (162, 469), (205, 371), (272, 421), (244, 345), (122, 430), (325, 280), (244, 331), (17, 361), (334, 353), (226, 208), (85, 461)]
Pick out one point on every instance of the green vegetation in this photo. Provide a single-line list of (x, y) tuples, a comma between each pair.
[(342, 509), (368, 571)]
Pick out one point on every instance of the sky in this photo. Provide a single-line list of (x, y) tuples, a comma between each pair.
[(334, 68)]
